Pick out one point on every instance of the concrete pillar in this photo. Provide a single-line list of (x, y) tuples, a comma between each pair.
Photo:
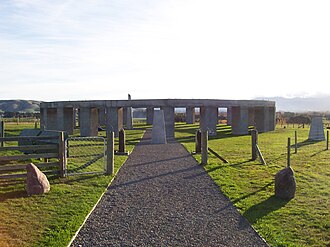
[(101, 116), (114, 119), (262, 119), (51, 123), (75, 113), (272, 118), (150, 115), (169, 121), (65, 119), (251, 116), (43, 118), (240, 120), (129, 116), (88, 121), (190, 115), (209, 119), (229, 116)]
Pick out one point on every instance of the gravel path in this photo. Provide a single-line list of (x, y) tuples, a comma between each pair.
[(163, 197)]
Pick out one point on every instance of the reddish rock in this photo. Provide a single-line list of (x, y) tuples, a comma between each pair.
[(36, 181), (285, 184)]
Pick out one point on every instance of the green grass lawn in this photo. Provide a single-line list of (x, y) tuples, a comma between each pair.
[(53, 218), (302, 221)]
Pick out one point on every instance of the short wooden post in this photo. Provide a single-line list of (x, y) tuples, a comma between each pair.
[(2, 131), (204, 140), (110, 169), (289, 154), (295, 142), (327, 144), (62, 154), (36, 125), (121, 141), (254, 138), (198, 145)]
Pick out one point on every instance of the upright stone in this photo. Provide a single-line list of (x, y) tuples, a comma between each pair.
[(36, 181), (316, 132), (150, 115), (209, 119), (190, 115), (88, 121), (251, 116), (158, 128), (43, 118), (285, 184), (169, 121), (240, 120)]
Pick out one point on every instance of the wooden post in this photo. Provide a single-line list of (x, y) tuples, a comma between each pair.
[(110, 169), (327, 144), (289, 147), (204, 140), (2, 131), (62, 154), (254, 138), (295, 142), (36, 125), (121, 141), (198, 148)]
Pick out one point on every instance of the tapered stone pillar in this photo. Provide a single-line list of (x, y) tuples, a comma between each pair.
[(209, 119), (316, 132), (129, 116), (252, 116), (169, 121), (88, 121), (240, 120), (114, 119), (150, 115), (158, 134), (272, 118), (190, 115)]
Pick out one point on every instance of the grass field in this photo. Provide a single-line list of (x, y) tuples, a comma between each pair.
[(302, 221), (51, 219)]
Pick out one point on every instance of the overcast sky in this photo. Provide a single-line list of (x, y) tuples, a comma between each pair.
[(104, 49)]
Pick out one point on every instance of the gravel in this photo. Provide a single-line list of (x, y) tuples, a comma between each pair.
[(163, 197)]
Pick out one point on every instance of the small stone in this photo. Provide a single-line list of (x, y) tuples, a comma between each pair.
[(285, 184), (36, 181)]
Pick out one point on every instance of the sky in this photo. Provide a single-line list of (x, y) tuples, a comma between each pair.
[(104, 49)]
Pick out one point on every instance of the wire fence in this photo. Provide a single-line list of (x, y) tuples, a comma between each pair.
[(86, 155)]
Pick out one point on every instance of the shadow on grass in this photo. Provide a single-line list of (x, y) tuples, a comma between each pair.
[(13, 195), (305, 143), (256, 212)]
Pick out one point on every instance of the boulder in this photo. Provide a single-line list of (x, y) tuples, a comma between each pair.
[(285, 184), (36, 181)]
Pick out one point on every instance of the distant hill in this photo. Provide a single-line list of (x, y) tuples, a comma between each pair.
[(19, 106), (297, 104)]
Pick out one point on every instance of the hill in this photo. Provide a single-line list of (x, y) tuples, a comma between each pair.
[(297, 104), (19, 106)]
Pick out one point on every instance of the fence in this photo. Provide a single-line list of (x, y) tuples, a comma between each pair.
[(85, 155), (41, 147)]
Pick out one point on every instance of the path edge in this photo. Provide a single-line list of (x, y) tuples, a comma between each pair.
[(105, 190)]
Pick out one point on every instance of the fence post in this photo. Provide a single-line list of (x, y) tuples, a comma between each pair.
[(204, 140), (62, 154), (289, 149), (254, 138), (198, 148), (327, 144), (121, 141), (110, 152), (2, 131), (295, 142)]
